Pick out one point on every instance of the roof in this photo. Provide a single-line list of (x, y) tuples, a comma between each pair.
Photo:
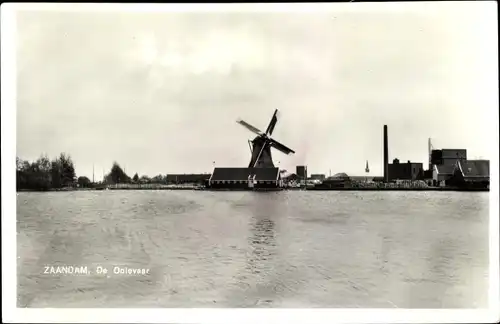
[(238, 174), (445, 169), (340, 175), (188, 177), (453, 153), (289, 176), (476, 168)]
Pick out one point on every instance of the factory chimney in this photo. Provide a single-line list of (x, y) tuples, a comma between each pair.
[(429, 148), (386, 156)]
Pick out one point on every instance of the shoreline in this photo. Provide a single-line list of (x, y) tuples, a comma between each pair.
[(269, 190), (402, 189)]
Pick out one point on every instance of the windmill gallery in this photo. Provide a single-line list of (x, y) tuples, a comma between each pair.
[(261, 173)]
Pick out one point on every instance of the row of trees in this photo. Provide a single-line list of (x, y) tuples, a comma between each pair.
[(44, 174), (118, 175)]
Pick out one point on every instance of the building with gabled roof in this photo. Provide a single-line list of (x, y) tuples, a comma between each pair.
[(443, 172), (475, 169), (245, 178), (471, 173)]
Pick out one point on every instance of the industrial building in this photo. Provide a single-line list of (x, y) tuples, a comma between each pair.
[(444, 163), (451, 167), (448, 156), (301, 171), (405, 171)]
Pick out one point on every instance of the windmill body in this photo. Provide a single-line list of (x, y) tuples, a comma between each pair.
[(261, 154)]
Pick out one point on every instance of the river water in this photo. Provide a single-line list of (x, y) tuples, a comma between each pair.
[(253, 249)]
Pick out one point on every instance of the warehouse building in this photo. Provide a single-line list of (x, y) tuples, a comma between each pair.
[(451, 167), (245, 178)]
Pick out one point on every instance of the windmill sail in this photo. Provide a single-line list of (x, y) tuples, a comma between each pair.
[(249, 127), (272, 123), (280, 147)]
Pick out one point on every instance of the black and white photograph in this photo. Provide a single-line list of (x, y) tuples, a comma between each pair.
[(332, 158)]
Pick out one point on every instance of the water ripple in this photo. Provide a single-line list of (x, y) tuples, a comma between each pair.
[(244, 249)]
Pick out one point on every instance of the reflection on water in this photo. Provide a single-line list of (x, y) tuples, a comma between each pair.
[(244, 249), (262, 245)]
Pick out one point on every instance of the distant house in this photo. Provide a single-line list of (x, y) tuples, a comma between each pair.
[(290, 177), (317, 177), (338, 180), (339, 176)]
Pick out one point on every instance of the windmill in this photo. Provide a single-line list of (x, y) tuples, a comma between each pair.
[(260, 146)]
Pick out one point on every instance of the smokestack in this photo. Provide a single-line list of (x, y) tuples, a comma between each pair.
[(386, 156), (429, 147)]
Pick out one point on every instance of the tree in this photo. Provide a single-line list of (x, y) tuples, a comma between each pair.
[(23, 173), (35, 176), (84, 182), (56, 173), (44, 174), (157, 179), (144, 179), (68, 174), (117, 175), (136, 178)]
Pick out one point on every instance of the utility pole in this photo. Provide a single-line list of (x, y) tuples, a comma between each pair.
[(93, 174)]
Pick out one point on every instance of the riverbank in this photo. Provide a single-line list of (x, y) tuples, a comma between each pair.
[(277, 189), (122, 187), (398, 189)]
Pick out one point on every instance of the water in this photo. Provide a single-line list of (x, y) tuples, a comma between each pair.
[(251, 249)]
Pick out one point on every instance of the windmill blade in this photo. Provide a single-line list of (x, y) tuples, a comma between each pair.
[(272, 123), (249, 127), (280, 147), (258, 156)]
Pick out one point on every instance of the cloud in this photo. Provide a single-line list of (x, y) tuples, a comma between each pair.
[(161, 91)]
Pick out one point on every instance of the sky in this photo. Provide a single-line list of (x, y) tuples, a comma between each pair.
[(160, 92)]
